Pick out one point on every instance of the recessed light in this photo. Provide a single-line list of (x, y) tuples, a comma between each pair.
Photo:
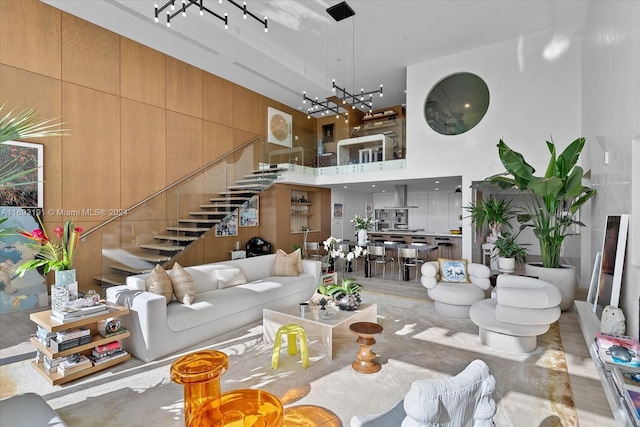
[(437, 182), (345, 186), (436, 188), (373, 185)]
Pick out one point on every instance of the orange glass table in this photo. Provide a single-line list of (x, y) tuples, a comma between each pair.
[(239, 408), (200, 374), (365, 362)]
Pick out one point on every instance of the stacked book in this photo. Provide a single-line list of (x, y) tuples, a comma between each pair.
[(51, 365), (44, 336), (70, 338), (74, 313), (107, 352), (73, 364), (620, 355)]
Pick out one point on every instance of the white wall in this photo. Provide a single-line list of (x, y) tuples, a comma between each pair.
[(611, 119), (531, 98)]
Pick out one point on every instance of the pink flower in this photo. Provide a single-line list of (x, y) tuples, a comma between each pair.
[(38, 234), (59, 231), (78, 229)]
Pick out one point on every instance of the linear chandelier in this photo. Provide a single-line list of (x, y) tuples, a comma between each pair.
[(341, 99), (182, 9)]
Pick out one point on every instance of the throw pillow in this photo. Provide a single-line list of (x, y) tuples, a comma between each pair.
[(453, 270), (285, 265), (159, 283), (230, 277), (182, 284), (298, 254)]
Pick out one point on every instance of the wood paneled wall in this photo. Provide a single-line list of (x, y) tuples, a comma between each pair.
[(138, 120)]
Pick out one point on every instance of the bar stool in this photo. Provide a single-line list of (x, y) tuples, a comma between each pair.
[(292, 331), (443, 243)]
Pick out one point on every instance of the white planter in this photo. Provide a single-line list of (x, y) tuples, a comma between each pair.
[(362, 237), (564, 278), (506, 265)]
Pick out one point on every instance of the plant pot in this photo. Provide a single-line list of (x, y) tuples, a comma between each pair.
[(564, 278), (506, 265), (348, 302)]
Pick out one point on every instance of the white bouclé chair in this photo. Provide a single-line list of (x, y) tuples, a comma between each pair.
[(522, 309), (463, 400), (455, 299)]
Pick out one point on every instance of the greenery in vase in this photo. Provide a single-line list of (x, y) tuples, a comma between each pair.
[(505, 246), (52, 254), (553, 199), (364, 222), (493, 212)]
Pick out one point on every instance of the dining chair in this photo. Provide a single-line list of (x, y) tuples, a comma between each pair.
[(312, 250), (408, 258), (377, 255)]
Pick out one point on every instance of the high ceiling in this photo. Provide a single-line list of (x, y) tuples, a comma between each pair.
[(305, 48)]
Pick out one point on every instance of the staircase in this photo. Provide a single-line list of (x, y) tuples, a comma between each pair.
[(143, 252)]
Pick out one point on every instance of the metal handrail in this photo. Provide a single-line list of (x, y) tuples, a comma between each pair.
[(180, 181)]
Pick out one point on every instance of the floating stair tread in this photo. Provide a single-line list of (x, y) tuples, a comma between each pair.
[(221, 205), (270, 170), (268, 175), (229, 199), (111, 279), (175, 237), (255, 180), (246, 187), (129, 269), (155, 258), (189, 229), (239, 192), (211, 221), (217, 213), (161, 247)]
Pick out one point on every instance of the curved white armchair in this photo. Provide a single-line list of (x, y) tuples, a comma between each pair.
[(464, 400), (455, 299)]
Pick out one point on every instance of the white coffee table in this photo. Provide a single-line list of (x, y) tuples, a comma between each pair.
[(314, 326)]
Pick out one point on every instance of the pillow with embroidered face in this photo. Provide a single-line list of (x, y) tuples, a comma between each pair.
[(453, 270)]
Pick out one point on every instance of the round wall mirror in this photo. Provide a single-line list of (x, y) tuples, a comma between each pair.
[(456, 104)]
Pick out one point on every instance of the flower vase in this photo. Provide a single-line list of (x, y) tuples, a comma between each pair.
[(362, 237), (62, 291)]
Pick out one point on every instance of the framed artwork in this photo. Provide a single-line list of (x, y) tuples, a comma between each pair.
[(249, 212), (337, 210), (19, 293), (369, 207), (613, 249), (228, 226), (279, 127), (595, 277), (327, 133), (23, 161)]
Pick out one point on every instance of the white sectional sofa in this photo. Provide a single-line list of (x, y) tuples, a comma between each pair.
[(158, 329)]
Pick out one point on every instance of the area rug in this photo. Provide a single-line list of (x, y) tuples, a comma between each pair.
[(531, 389)]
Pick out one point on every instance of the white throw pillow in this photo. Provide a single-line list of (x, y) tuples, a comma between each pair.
[(230, 277), (182, 283)]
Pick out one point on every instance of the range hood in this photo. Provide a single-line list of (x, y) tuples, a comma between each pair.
[(401, 199)]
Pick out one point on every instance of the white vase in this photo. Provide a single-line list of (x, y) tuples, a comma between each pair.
[(362, 237)]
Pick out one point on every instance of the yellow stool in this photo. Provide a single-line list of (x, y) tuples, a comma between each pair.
[(292, 331)]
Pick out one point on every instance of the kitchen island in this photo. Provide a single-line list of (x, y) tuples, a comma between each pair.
[(418, 235)]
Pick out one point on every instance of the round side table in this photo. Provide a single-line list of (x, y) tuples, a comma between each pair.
[(243, 407), (200, 374), (366, 331)]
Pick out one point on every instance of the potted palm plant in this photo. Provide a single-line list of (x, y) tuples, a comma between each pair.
[(551, 203), (492, 212)]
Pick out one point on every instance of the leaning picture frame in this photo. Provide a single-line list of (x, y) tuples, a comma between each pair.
[(593, 285), (23, 163), (613, 251)]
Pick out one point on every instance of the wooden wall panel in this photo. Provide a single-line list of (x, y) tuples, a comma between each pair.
[(24, 89), (91, 156), (218, 140), (184, 145), (217, 99), (246, 111), (30, 36), (184, 88), (142, 73), (144, 155), (90, 55)]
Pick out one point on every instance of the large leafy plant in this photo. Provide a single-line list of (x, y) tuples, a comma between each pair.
[(553, 198), (493, 212)]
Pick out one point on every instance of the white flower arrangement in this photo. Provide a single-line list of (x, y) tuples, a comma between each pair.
[(364, 222)]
